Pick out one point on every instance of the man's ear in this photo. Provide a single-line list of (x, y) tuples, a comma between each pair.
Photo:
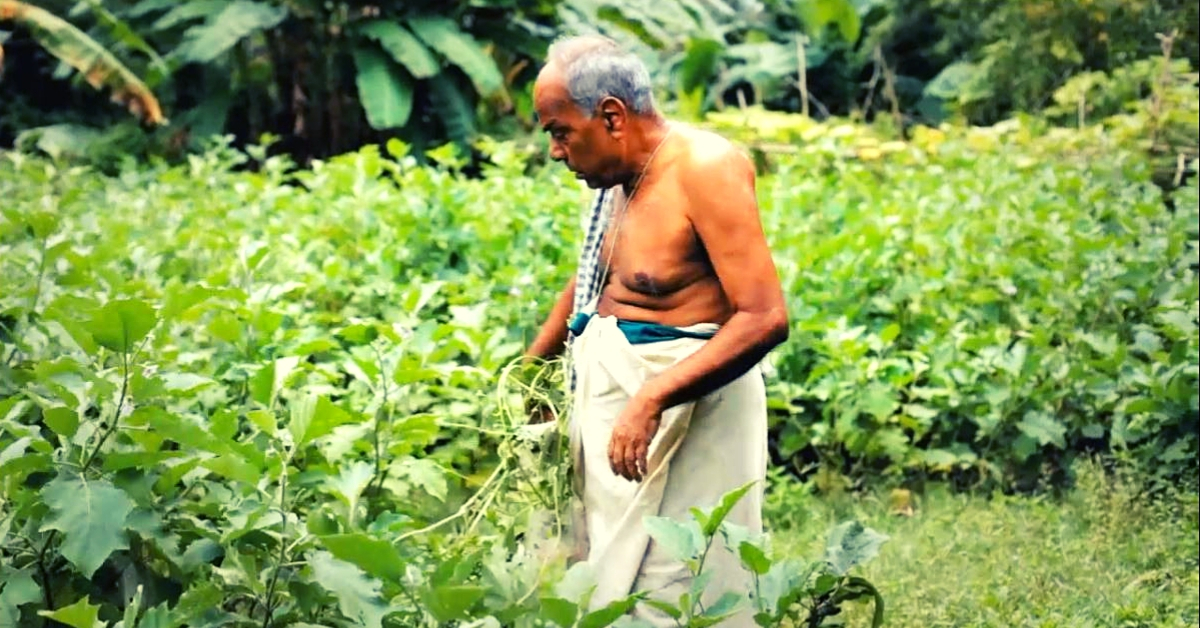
[(614, 115)]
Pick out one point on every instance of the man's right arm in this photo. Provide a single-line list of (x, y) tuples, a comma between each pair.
[(552, 337)]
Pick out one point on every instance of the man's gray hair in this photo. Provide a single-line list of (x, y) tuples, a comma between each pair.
[(595, 67)]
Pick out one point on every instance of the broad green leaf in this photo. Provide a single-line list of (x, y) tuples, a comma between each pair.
[(681, 541), (879, 400), (264, 419), (376, 556), (842, 13), (180, 429), (122, 31), (577, 584), (17, 588), (560, 611), (64, 421), (119, 325), (699, 63), (444, 36), (455, 108), (412, 373), (91, 516), (725, 606), (99, 67), (383, 88), (939, 458), (712, 522), (1043, 428), (351, 482), (234, 467), (783, 584), (405, 48), (358, 596), (81, 614), (423, 473), (670, 609), (184, 382), (852, 544), (1178, 322), (269, 380), (611, 613), (205, 42), (300, 418), (188, 11), (753, 558), (449, 602)]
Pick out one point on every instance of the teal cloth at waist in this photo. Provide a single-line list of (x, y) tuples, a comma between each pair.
[(639, 332)]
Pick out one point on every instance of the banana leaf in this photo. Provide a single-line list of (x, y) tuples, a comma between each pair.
[(97, 66)]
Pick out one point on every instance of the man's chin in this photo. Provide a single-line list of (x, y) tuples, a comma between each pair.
[(594, 183)]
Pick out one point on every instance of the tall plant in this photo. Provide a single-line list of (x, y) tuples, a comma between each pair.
[(328, 77), (99, 67)]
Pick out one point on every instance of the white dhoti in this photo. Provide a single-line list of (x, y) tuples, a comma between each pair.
[(702, 450)]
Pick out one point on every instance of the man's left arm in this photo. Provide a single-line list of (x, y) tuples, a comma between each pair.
[(724, 212)]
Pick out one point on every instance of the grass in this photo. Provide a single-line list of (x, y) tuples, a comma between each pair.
[(1101, 555)]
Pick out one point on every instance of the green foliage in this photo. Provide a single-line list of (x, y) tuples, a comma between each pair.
[(701, 53), (250, 397), (1104, 553), (331, 75), (1015, 54), (982, 326)]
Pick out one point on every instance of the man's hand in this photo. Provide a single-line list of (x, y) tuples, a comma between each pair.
[(631, 436), (538, 411)]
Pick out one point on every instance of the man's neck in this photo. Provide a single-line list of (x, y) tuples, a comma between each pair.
[(651, 133)]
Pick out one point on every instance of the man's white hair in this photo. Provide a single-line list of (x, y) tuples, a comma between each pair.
[(594, 67)]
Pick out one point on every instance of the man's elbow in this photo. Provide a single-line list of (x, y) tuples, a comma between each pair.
[(776, 327)]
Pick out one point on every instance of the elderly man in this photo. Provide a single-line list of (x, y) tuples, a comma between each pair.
[(675, 302)]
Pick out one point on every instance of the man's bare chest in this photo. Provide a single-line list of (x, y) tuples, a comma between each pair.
[(651, 246)]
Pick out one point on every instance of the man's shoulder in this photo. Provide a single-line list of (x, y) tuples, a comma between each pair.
[(710, 153)]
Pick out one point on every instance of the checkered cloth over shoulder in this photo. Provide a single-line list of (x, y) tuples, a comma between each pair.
[(589, 278)]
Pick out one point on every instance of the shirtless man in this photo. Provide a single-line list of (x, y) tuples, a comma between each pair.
[(683, 246)]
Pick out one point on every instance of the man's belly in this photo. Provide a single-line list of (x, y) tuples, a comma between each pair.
[(698, 301)]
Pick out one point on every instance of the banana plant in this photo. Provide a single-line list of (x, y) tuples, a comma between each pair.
[(705, 49), (307, 57), (99, 67)]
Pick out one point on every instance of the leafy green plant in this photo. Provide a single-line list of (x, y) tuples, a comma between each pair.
[(1016, 54), (808, 594), (326, 76), (984, 327), (701, 53), (290, 395)]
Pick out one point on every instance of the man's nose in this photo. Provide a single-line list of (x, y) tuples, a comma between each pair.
[(557, 153)]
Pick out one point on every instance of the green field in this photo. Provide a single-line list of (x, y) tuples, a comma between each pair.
[(237, 394), (1102, 555)]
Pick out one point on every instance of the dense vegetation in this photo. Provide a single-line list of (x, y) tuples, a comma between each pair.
[(326, 77), (257, 340), (260, 395), (1103, 555)]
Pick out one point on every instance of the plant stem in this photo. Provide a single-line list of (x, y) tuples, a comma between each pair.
[(116, 415), (462, 511), (47, 593), (270, 605), (37, 288), (384, 410)]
